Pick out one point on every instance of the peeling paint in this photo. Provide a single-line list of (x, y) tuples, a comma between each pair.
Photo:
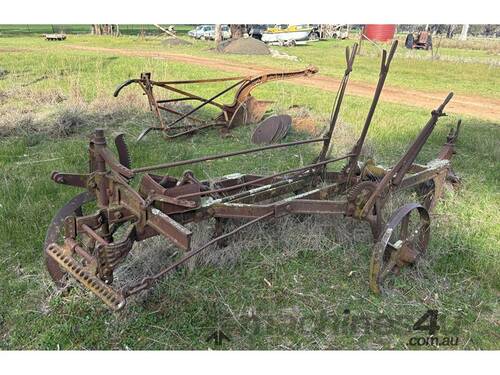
[(438, 163), (232, 176)]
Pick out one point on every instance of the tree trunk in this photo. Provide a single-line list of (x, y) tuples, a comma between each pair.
[(449, 34), (237, 31), (218, 34), (465, 29)]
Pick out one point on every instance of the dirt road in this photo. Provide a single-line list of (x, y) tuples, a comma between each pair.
[(476, 106)]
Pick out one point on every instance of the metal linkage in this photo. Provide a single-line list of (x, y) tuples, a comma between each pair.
[(244, 108), (337, 103), (384, 70), (86, 247)]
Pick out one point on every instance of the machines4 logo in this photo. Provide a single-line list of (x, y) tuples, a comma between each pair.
[(429, 323)]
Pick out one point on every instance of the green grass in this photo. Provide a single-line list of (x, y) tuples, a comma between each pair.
[(311, 289)]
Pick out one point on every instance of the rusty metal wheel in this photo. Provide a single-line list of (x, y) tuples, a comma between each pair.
[(403, 241), (55, 231)]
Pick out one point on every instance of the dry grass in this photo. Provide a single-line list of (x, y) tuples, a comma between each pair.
[(293, 235), (480, 44), (52, 113), (492, 62)]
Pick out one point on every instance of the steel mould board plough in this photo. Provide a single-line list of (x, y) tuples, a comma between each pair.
[(162, 205), (244, 108)]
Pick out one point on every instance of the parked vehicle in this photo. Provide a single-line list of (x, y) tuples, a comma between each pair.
[(200, 31), (255, 31), (315, 32), (195, 31), (287, 34), (421, 40), (226, 33)]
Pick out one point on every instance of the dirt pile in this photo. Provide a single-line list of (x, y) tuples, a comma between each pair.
[(171, 42), (243, 46)]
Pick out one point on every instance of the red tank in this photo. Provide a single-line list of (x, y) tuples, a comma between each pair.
[(379, 33)]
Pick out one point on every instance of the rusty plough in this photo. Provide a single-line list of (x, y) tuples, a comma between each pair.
[(244, 108), (91, 251)]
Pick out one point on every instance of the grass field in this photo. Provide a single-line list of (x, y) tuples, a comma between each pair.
[(438, 75), (316, 295)]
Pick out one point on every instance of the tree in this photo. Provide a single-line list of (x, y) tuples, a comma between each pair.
[(105, 29), (237, 31)]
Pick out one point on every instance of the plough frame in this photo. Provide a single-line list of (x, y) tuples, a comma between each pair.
[(163, 204)]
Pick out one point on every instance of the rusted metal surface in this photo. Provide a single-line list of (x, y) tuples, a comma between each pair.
[(243, 110), (56, 231), (163, 204), (272, 129), (284, 128), (401, 243)]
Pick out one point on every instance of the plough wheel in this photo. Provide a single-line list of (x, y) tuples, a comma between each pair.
[(55, 231), (403, 241)]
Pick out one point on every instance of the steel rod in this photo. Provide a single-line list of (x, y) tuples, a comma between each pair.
[(384, 70), (220, 156), (161, 101), (208, 101), (160, 83), (229, 188), (145, 283), (94, 235), (190, 95), (338, 101), (173, 111)]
